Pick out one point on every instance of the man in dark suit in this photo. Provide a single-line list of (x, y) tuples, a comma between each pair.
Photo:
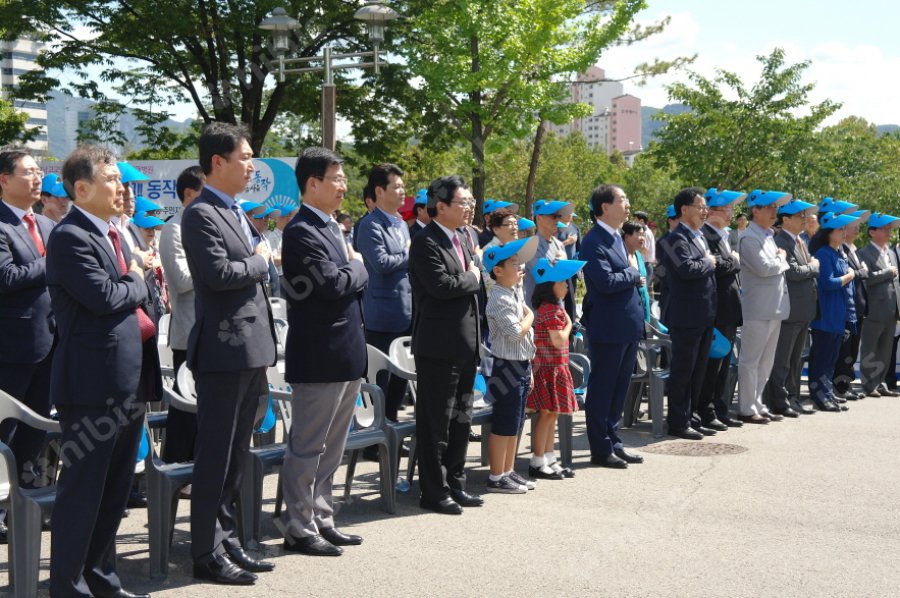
[(384, 246), (26, 344), (845, 371), (612, 288), (689, 311), (713, 407), (446, 335), (229, 349), (782, 394), (420, 211), (325, 353), (100, 376), (659, 272)]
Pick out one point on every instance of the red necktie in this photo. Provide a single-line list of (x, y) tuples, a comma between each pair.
[(33, 231), (148, 328)]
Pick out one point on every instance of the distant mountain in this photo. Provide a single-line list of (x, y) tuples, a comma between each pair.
[(884, 129), (649, 127)]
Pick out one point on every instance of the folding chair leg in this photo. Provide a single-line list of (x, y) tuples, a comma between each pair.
[(657, 389), (279, 496), (411, 462), (564, 424), (25, 549), (351, 470), (386, 472)]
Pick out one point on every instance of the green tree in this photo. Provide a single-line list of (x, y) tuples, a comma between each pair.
[(12, 124), (737, 136)]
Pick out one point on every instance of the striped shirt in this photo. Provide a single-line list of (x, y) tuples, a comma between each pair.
[(504, 313)]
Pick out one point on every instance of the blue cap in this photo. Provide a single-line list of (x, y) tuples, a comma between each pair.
[(670, 212), (287, 208), (265, 213), (759, 198), (717, 199), (830, 220), (142, 205), (248, 206), (859, 215), (720, 346), (562, 225), (142, 220), (537, 205), (552, 207), (795, 206), (878, 220), (525, 248), (526, 224), (544, 271), (830, 204), (492, 205), (488, 205), (421, 197), (53, 185), (130, 174)]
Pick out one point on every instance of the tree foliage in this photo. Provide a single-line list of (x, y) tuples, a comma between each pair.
[(12, 124)]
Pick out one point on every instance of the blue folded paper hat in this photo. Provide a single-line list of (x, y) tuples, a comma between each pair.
[(832, 220), (795, 206), (859, 215), (142, 220), (720, 346), (830, 204), (562, 225), (878, 220), (421, 197), (670, 211), (759, 198), (544, 271), (537, 206), (718, 199), (525, 248), (265, 213), (130, 174), (248, 206), (142, 205), (52, 185), (287, 208), (554, 207), (495, 205), (526, 224)]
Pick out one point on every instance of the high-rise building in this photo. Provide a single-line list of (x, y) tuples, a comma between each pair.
[(17, 57), (615, 123)]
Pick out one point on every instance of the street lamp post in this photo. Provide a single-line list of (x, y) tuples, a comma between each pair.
[(375, 15)]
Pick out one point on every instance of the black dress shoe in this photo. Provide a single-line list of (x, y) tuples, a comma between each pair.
[(886, 392), (120, 593), (828, 406), (627, 457), (687, 434), (716, 425), (800, 407), (842, 407), (611, 461), (221, 570), (312, 546), (538, 474), (838, 400), (464, 499), (338, 539), (445, 506), (247, 562), (753, 419), (773, 417), (137, 500), (473, 437), (787, 412), (704, 431), (731, 422)]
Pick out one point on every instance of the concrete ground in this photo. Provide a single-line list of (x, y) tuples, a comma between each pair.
[(805, 507)]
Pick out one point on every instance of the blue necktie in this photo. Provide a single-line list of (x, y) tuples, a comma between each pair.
[(245, 226)]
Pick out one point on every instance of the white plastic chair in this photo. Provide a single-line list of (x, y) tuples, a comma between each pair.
[(279, 308)]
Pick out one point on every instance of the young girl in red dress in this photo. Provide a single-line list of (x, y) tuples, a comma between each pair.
[(553, 391)]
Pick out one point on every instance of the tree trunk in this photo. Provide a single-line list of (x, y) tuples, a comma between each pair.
[(535, 161)]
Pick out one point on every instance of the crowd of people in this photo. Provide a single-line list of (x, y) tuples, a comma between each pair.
[(85, 284)]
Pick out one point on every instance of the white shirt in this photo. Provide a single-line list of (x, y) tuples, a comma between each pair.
[(617, 238), (102, 226), (20, 213)]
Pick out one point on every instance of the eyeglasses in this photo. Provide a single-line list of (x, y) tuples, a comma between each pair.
[(510, 225), (340, 180), (33, 173), (466, 205), (702, 208)]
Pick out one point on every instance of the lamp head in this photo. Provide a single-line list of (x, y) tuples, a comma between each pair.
[(375, 16), (280, 25)]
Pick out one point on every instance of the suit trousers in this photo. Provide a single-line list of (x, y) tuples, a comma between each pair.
[(845, 370), (321, 416), (784, 382), (443, 421), (759, 339), (612, 366), (891, 377), (98, 452), (181, 426), (394, 387), (713, 402), (876, 342), (690, 356), (821, 365), (29, 383), (226, 411)]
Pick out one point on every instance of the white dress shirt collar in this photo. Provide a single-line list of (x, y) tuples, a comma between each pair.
[(19, 212)]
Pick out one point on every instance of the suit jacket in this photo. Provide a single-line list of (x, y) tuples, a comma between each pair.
[(326, 340), (860, 293), (387, 302), (801, 279), (613, 312), (100, 356), (25, 316), (728, 284), (233, 328), (691, 299), (415, 228), (446, 320), (178, 278), (882, 287), (764, 290)]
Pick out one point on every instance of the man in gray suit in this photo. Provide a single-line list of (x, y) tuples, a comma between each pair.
[(884, 305), (764, 304), (783, 390)]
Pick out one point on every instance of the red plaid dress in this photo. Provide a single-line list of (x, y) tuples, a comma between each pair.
[(553, 387)]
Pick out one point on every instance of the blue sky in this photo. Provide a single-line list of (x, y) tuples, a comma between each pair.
[(854, 48)]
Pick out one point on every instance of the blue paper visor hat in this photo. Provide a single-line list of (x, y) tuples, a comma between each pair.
[(830, 204), (526, 224), (759, 198), (142, 220), (795, 206), (879, 220), (130, 174), (524, 248), (52, 185), (718, 199), (544, 271), (142, 204), (832, 220)]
